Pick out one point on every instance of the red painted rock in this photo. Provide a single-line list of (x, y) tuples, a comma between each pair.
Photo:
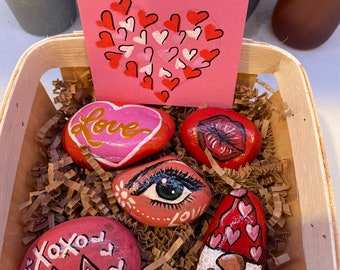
[(231, 138), (236, 235), (84, 243), (117, 136), (162, 193)]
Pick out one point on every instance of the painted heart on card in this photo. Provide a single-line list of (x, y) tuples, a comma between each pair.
[(160, 52)]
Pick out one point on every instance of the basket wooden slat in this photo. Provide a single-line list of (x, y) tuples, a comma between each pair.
[(26, 106)]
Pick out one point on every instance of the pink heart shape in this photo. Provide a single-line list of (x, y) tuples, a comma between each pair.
[(238, 192), (215, 240), (168, 54), (232, 235), (200, 63), (253, 231), (105, 127), (244, 209), (121, 34), (256, 252)]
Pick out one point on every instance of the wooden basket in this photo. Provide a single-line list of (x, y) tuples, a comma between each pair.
[(313, 242)]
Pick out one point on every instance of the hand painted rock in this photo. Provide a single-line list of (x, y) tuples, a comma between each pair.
[(117, 136), (231, 138), (236, 236), (84, 243), (162, 193)]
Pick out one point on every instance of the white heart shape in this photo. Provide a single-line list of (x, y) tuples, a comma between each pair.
[(164, 72), (126, 49), (179, 64), (148, 69), (194, 33), (141, 39), (160, 37), (128, 24), (189, 54)]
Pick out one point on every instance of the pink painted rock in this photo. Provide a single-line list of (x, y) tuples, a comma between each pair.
[(117, 136), (162, 193), (231, 138), (84, 243), (236, 235)]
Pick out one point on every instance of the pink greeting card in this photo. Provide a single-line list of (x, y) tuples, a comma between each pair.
[(182, 53)]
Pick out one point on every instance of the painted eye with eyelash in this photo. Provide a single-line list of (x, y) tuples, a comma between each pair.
[(163, 193)]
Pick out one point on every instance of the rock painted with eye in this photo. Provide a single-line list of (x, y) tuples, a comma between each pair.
[(236, 236), (162, 193), (231, 138), (84, 243), (116, 136)]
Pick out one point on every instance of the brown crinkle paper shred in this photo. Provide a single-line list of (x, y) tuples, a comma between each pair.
[(65, 191)]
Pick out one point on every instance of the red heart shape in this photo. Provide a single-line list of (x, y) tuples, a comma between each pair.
[(190, 73), (171, 84), (146, 19), (173, 23), (122, 7), (212, 33), (162, 96), (106, 40), (114, 58), (209, 55), (106, 20), (131, 69), (197, 17), (147, 82)]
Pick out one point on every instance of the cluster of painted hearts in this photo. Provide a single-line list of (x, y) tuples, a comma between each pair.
[(160, 54)]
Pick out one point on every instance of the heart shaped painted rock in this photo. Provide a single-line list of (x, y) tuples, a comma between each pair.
[(236, 236), (116, 136), (162, 193), (84, 243), (231, 138)]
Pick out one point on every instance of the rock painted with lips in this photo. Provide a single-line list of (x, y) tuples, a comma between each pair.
[(84, 243), (116, 135), (162, 193), (236, 236), (231, 138)]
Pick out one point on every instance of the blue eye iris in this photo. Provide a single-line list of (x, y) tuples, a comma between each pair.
[(169, 190), (165, 186)]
